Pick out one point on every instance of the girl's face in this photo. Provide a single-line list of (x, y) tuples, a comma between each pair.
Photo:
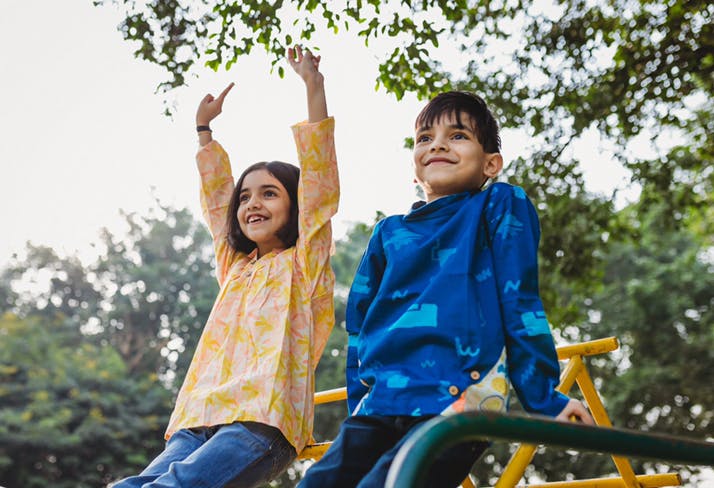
[(263, 209)]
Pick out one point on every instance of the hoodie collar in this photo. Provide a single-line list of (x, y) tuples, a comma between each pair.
[(422, 209)]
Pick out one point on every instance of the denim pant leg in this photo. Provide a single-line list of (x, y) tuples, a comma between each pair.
[(242, 454), (178, 448), (276, 456), (357, 447), (448, 470)]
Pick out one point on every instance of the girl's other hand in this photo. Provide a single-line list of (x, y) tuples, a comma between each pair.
[(305, 64), (210, 107)]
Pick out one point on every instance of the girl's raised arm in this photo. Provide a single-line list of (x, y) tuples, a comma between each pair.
[(208, 109), (307, 66)]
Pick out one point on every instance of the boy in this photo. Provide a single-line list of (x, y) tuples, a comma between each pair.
[(444, 309)]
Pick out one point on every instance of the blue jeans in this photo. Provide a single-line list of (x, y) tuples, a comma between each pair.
[(365, 447), (239, 455)]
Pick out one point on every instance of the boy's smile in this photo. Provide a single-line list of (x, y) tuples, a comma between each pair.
[(449, 159)]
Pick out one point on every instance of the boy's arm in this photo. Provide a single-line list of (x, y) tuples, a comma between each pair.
[(532, 360), (364, 288)]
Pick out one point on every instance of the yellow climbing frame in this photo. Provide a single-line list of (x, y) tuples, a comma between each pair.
[(573, 372)]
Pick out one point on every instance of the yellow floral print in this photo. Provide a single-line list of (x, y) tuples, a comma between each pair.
[(256, 358)]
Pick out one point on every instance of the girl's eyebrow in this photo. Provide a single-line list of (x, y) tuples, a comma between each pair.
[(261, 187)]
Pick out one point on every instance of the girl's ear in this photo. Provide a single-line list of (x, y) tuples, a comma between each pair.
[(493, 165)]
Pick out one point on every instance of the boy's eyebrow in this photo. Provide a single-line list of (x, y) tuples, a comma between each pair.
[(459, 125)]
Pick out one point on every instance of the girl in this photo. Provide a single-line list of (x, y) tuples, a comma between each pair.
[(246, 405)]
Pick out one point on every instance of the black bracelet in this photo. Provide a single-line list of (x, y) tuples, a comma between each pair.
[(203, 128)]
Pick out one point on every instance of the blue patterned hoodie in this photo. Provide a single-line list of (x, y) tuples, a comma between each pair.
[(446, 299)]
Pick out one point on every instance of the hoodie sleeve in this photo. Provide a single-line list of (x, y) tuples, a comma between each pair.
[(364, 289), (532, 360)]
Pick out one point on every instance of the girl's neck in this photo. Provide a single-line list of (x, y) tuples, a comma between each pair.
[(274, 250)]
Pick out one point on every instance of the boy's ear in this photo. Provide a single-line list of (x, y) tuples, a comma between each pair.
[(493, 165)]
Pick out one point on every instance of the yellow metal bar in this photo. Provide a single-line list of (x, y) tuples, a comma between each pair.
[(645, 481), (314, 451), (570, 374), (590, 348), (327, 396), (523, 456), (516, 466), (597, 409), (467, 483)]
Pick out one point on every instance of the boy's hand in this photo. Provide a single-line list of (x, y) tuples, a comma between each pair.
[(305, 64), (576, 411), (210, 107)]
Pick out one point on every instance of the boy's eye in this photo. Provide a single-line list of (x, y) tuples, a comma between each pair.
[(459, 136), (423, 138)]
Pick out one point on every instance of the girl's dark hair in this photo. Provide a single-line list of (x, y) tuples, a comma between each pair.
[(288, 175), (459, 102)]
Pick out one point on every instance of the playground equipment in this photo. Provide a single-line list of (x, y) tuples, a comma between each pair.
[(442, 432), (413, 460)]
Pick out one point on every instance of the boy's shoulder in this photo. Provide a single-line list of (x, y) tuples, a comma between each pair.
[(500, 192)]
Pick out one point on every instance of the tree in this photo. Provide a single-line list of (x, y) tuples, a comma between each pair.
[(158, 288), (620, 65), (91, 353), (70, 415)]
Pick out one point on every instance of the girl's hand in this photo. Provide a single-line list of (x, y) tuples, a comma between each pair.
[(576, 411), (210, 107), (308, 67), (305, 64)]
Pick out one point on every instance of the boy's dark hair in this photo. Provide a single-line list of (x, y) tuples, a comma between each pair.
[(460, 102), (285, 173)]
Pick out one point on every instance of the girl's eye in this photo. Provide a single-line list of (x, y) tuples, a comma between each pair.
[(270, 193), (243, 198)]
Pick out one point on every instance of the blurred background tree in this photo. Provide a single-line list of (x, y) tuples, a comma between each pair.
[(91, 354)]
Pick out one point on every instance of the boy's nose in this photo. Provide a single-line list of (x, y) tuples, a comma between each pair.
[(437, 145)]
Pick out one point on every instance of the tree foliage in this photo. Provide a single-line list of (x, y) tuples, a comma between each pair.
[(91, 353), (557, 68), (70, 414)]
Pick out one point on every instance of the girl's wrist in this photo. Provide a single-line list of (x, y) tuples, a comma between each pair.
[(315, 80)]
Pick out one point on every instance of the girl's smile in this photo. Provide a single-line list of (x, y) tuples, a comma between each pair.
[(264, 209)]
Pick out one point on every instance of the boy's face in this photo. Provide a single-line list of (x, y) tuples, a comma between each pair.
[(448, 158)]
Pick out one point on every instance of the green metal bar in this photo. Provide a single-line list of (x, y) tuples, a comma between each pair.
[(413, 460)]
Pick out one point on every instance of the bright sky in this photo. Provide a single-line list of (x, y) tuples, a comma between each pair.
[(82, 134)]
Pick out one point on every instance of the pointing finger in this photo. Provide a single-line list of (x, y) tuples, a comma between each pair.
[(225, 92)]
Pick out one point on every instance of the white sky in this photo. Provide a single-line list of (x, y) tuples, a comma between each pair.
[(82, 134)]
